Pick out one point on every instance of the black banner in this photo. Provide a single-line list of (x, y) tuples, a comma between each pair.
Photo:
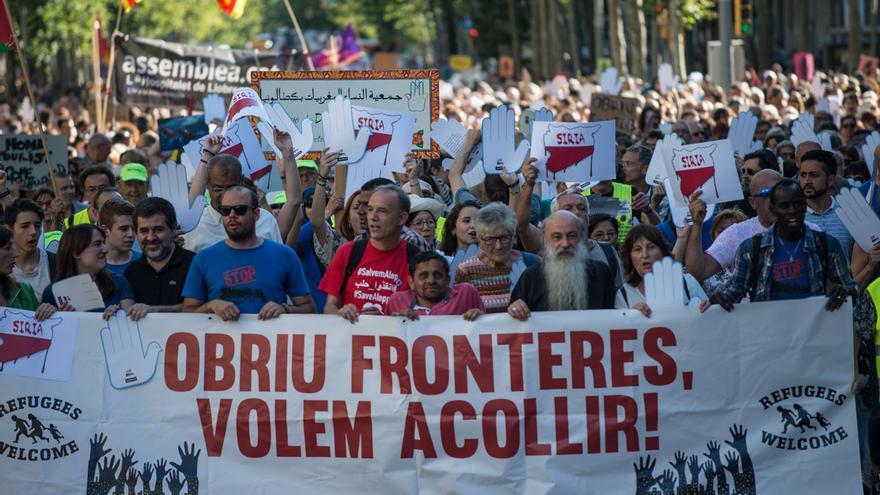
[(159, 73)]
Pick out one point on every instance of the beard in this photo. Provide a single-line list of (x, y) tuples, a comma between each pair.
[(242, 234), (566, 277)]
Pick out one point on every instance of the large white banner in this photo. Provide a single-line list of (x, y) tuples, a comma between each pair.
[(599, 402)]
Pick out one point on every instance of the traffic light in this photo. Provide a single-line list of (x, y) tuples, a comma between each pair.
[(743, 20), (473, 33)]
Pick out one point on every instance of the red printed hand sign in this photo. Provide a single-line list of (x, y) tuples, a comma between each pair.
[(569, 151), (693, 166)]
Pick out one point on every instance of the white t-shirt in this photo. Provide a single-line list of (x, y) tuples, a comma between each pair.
[(210, 230), (39, 279)]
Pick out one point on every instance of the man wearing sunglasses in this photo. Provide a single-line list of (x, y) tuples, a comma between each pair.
[(245, 273), (753, 163), (720, 255)]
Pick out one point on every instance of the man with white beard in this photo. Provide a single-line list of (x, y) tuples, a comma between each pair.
[(566, 279)]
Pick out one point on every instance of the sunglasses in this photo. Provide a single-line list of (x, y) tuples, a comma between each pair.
[(765, 193), (239, 210), (749, 171)]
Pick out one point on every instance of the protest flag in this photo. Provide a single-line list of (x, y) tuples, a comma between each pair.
[(129, 4), (341, 54), (9, 42), (232, 8), (7, 37)]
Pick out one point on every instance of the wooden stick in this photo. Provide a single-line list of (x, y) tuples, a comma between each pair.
[(302, 40), (96, 73), (27, 83), (110, 65)]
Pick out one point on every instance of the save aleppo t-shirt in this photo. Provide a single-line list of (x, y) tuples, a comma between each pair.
[(249, 278), (378, 275)]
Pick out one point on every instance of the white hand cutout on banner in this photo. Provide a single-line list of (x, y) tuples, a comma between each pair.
[(500, 152), (666, 79), (128, 364), (802, 130), (818, 87), (449, 135), (609, 83), (859, 218), (657, 166), (339, 132), (664, 286), (170, 183), (868, 150), (302, 140), (742, 131)]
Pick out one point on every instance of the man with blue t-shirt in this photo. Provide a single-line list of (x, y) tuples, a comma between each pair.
[(789, 260), (245, 273)]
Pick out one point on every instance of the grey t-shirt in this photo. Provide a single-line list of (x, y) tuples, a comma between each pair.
[(39, 279)]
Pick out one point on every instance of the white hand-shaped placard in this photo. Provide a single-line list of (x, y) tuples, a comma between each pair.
[(742, 130), (666, 128), (666, 79), (170, 183), (664, 286), (215, 108), (500, 153), (868, 150), (825, 140), (302, 141), (609, 83), (802, 131), (656, 167), (818, 87), (859, 218), (128, 363), (339, 132), (542, 114)]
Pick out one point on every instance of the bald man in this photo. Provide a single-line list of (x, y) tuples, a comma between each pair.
[(721, 253), (566, 279)]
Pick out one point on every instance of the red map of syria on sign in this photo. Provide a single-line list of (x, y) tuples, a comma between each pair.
[(693, 167), (567, 146), (381, 127), (21, 337)]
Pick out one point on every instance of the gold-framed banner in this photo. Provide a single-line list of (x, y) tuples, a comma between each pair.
[(305, 94)]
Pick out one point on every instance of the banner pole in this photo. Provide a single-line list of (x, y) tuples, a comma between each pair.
[(96, 74), (110, 64), (30, 92), (302, 40)]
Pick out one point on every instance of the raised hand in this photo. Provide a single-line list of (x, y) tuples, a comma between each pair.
[(170, 183), (714, 453), (742, 131), (175, 483), (678, 465), (500, 152), (609, 82), (127, 462), (146, 474), (131, 480), (161, 469), (128, 364), (666, 482), (213, 144), (189, 460), (301, 141), (732, 463), (694, 467), (738, 433), (868, 150), (802, 131), (339, 130), (107, 471), (645, 474), (96, 452)]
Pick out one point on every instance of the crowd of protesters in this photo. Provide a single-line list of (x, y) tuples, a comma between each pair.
[(440, 240)]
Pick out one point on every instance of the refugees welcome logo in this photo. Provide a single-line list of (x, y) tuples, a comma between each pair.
[(802, 423), (29, 428)]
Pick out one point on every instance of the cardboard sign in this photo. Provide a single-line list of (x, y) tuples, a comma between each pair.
[(585, 402), (859, 218), (23, 159), (176, 132), (574, 151), (460, 63), (868, 65), (240, 141), (306, 94), (36, 349), (505, 67), (618, 108), (79, 291), (709, 166), (390, 137)]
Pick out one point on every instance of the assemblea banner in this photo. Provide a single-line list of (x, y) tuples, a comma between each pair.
[(161, 73), (592, 402)]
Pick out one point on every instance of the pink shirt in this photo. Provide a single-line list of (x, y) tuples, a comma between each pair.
[(723, 249), (460, 298)]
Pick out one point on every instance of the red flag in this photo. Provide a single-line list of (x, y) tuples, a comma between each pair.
[(103, 44), (129, 4), (7, 39), (232, 8)]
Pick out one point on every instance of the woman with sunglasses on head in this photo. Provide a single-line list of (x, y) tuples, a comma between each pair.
[(13, 294), (83, 249)]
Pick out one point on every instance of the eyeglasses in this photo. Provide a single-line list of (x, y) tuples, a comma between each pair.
[(749, 171), (503, 239), (765, 193), (239, 210), (424, 223)]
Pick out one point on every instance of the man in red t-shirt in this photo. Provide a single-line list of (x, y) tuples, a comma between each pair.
[(382, 269), (430, 293)]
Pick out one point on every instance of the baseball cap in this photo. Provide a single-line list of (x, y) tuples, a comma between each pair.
[(133, 171), (276, 198), (307, 164)]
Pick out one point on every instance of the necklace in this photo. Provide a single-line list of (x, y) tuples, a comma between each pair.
[(790, 253)]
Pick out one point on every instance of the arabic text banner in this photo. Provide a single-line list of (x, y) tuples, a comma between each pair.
[(591, 402)]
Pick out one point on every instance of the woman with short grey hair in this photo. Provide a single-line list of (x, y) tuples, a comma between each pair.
[(495, 271)]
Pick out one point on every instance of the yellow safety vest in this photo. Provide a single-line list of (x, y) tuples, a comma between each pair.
[(78, 218), (52, 236), (439, 232), (874, 291), (623, 193)]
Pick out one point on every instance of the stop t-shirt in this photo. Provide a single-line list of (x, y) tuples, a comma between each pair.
[(378, 275)]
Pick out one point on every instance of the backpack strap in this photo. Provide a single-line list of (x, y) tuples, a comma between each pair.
[(822, 252), (53, 260), (354, 259), (612, 260), (757, 260)]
